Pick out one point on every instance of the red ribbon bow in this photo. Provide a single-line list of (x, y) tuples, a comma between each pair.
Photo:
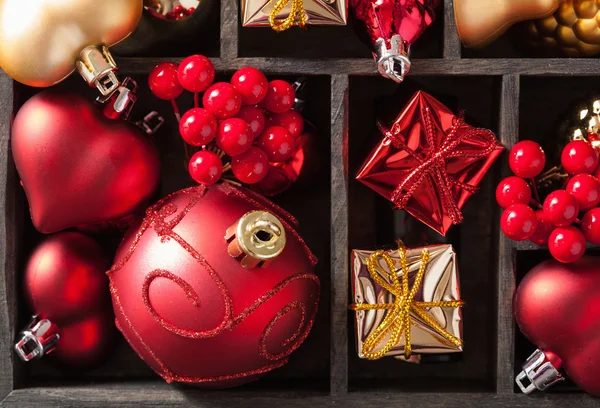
[(434, 166)]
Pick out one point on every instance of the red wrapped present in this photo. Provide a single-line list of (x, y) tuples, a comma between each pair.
[(430, 162)]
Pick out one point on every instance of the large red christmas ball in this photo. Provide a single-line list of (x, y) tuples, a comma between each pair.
[(557, 307), (191, 310), (78, 166), (65, 283)]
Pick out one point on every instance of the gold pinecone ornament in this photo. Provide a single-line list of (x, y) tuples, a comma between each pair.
[(573, 30)]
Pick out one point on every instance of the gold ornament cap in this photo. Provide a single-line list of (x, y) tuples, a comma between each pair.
[(98, 68), (258, 238)]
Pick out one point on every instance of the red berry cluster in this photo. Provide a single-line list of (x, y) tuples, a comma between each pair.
[(553, 222), (249, 119)]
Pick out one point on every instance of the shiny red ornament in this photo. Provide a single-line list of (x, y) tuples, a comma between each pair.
[(578, 157), (278, 143), (586, 190), (77, 166), (590, 226), (255, 118), (222, 100), (518, 222), (280, 97), (196, 73), (163, 81), (527, 159), (66, 285), (556, 308), (252, 84), (292, 121), (198, 127), (561, 208), (233, 136), (513, 190), (191, 311), (543, 230), (251, 166), (566, 244), (205, 167)]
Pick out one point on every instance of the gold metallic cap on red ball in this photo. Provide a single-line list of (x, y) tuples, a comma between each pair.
[(257, 238)]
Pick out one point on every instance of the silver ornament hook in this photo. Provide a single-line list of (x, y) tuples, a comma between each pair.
[(389, 57)]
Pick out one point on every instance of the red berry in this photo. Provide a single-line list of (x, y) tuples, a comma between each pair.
[(277, 143), (222, 100), (579, 157), (561, 208), (590, 225), (196, 73), (190, 11), (543, 230), (527, 159), (280, 97), (518, 222), (255, 118), (250, 167), (252, 84), (163, 81), (233, 136), (586, 190), (291, 120), (198, 127), (513, 190), (206, 167), (566, 244)]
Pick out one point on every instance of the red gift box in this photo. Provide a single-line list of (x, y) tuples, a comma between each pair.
[(430, 162)]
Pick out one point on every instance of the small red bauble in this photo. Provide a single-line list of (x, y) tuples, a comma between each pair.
[(567, 244), (206, 167), (586, 190), (233, 136), (255, 118), (518, 222), (65, 282), (192, 311), (280, 97), (198, 127), (222, 100), (291, 120), (252, 84), (543, 230), (251, 166), (590, 225), (196, 73), (163, 81), (527, 159), (513, 190), (561, 208), (579, 157), (277, 143)]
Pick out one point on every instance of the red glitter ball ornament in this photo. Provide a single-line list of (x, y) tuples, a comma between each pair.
[(567, 244), (176, 288), (222, 100), (164, 82)]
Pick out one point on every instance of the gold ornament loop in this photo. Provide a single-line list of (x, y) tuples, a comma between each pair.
[(297, 14), (398, 320)]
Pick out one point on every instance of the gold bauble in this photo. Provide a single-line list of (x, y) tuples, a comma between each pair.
[(40, 40)]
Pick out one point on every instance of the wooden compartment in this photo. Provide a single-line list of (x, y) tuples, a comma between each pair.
[(512, 96)]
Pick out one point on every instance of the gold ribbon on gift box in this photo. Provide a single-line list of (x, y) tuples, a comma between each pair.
[(398, 320), (297, 13)]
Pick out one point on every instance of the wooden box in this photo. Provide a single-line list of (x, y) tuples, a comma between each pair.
[(515, 97)]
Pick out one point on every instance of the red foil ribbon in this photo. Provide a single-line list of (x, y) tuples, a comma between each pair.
[(430, 162)]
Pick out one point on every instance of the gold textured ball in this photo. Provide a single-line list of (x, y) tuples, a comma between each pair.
[(573, 30)]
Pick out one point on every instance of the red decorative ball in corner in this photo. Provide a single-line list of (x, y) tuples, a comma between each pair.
[(561, 208), (513, 190), (578, 157), (280, 97), (518, 222), (205, 167), (222, 100), (567, 244), (163, 81), (527, 159), (590, 225), (179, 284), (586, 190), (252, 84)]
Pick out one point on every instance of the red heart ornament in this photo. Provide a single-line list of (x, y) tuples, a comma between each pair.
[(78, 166)]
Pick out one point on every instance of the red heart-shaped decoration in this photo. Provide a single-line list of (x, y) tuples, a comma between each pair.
[(76, 165)]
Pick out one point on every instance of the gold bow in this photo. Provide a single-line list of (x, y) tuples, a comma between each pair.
[(297, 13), (398, 319)]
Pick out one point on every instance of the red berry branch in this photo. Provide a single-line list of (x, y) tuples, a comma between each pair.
[(553, 221)]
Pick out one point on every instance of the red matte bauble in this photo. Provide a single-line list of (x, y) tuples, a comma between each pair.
[(557, 309), (77, 166), (191, 311), (66, 283)]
